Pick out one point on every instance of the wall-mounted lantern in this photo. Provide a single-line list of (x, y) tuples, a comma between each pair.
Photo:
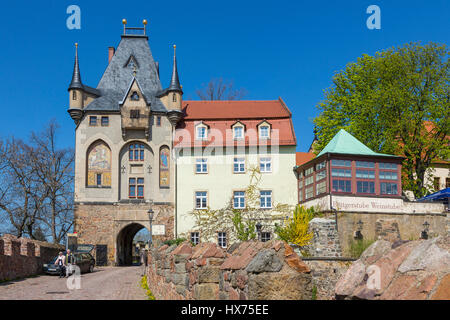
[(358, 232), (424, 233)]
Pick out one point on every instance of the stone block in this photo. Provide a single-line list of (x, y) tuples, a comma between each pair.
[(280, 286), (206, 291), (208, 275), (265, 261)]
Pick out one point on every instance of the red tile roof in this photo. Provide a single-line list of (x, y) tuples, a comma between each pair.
[(219, 116), (238, 109), (303, 157)]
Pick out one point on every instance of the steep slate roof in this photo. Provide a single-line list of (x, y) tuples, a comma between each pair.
[(344, 143), (117, 76)]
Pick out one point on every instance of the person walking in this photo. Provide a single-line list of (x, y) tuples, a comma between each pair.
[(70, 260), (61, 263), (144, 261)]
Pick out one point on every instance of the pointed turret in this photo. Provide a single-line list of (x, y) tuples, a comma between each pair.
[(76, 89), (175, 82), (174, 94), (76, 76)]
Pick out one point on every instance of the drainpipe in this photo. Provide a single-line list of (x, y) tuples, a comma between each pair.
[(175, 219)]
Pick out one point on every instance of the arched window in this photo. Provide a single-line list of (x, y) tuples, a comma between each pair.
[(136, 152), (164, 164), (135, 96), (99, 165)]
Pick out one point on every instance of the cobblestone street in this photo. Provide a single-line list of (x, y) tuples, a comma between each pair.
[(105, 283)]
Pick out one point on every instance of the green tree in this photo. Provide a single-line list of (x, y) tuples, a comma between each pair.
[(395, 102)]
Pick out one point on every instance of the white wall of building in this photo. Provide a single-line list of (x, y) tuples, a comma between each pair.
[(220, 181)]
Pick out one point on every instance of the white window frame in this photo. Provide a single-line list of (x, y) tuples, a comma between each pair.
[(267, 197), (261, 136), (201, 137), (195, 237), (240, 196), (222, 240), (203, 163), (199, 195), (235, 136), (240, 162), (265, 162), (264, 237)]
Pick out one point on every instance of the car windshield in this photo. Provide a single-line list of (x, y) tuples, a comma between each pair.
[(52, 261)]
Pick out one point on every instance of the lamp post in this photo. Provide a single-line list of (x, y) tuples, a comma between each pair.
[(150, 218), (424, 234), (258, 230)]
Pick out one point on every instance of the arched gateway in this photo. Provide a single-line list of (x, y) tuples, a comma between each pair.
[(124, 244)]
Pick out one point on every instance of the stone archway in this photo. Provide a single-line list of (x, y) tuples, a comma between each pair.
[(124, 243)]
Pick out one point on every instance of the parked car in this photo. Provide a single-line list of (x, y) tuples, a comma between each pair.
[(84, 260)]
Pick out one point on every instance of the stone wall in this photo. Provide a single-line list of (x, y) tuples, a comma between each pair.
[(325, 242), (249, 270), (376, 225), (325, 274), (22, 257)]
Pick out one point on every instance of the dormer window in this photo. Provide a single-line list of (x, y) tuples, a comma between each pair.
[(201, 132), (135, 96), (264, 130), (238, 130)]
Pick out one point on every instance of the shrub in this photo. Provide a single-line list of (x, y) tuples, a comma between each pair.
[(295, 229), (177, 241), (144, 285)]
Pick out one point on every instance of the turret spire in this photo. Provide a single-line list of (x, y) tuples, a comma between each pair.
[(76, 76), (175, 82)]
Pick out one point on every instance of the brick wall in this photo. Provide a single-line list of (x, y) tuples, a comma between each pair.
[(249, 270), (21, 257)]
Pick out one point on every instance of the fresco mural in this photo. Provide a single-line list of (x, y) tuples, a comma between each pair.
[(99, 165), (164, 176)]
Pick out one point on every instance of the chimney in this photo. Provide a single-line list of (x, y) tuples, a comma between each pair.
[(111, 51)]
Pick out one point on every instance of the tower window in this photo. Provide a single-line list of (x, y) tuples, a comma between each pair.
[(93, 121), (174, 98), (74, 95), (135, 96), (158, 121), (136, 188), (136, 152), (134, 114), (99, 179), (105, 121)]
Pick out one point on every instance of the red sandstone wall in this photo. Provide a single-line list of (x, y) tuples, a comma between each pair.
[(250, 270), (21, 257)]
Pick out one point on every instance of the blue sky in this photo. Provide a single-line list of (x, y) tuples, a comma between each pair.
[(271, 48)]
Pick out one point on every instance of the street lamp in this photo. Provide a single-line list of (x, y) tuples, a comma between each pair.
[(424, 234), (258, 230), (150, 218)]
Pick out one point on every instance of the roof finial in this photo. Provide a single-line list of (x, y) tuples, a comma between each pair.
[(76, 76), (145, 25), (175, 82)]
